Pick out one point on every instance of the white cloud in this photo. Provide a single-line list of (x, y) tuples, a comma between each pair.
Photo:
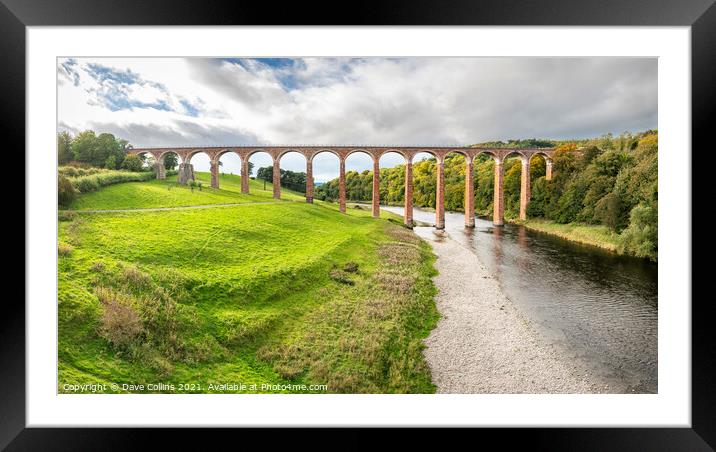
[(415, 101)]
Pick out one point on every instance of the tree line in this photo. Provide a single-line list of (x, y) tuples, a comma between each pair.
[(291, 180), (87, 149), (609, 180)]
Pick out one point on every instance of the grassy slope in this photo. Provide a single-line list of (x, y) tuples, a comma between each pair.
[(595, 235), (167, 193), (252, 294)]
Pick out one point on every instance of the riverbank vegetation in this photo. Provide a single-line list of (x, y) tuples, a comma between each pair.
[(594, 235), (604, 182)]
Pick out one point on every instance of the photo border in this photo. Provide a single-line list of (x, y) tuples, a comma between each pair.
[(16, 15)]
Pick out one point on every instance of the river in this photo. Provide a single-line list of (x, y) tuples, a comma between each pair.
[(600, 308)]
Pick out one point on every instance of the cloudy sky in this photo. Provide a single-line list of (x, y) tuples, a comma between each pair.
[(372, 101)]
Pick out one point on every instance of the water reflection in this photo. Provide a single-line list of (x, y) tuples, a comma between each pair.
[(601, 307)]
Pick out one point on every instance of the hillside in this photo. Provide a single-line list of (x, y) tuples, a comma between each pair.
[(168, 193), (276, 294)]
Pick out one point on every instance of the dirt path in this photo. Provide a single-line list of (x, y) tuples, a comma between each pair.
[(483, 344), (162, 209)]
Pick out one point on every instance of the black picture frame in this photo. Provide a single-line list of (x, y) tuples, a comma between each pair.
[(16, 15)]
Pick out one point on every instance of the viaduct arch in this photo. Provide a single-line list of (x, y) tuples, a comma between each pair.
[(186, 172)]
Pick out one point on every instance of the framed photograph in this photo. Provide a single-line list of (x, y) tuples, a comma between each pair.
[(474, 215)]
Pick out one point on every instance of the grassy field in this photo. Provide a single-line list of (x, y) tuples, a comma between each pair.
[(595, 235), (167, 193), (264, 294)]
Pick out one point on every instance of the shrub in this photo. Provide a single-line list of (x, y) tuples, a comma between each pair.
[(67, 171), (162, 366), (77, 164), (64, 249), (641, 237), (135, 278), (85, 184), (120, 323), (341, 277), (65, 215), (111, 162), (350, 267), (132, 163), (66, 192), (608, 211)]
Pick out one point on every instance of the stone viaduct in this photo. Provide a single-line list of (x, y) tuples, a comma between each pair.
[(186, 172)]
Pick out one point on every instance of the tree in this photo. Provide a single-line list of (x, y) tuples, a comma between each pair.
[(87, 147), (608, 211), (641, 237), (265, 173), (111, 162), (64, 147), (132, 163), (84, 147), (171, 161)]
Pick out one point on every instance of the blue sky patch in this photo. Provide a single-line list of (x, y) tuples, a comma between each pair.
[(190, 109)]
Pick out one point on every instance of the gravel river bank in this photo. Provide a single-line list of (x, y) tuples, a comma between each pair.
[(483, 344)]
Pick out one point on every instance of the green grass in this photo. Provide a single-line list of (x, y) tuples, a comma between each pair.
[(595, 235), (167, 193), (248, 294)]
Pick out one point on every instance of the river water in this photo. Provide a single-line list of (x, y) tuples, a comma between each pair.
[(599, 307)]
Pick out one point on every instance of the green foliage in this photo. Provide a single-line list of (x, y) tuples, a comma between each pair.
[(289, 179), (528, 143), (614, 182), (77, 171), (641, 237), (171, 161), (64, 147), (132, 163), (87, 147), (111, 162), (608, 210), (92, 182), (66, 192)]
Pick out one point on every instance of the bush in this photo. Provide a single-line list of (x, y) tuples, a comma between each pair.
[(66, 215), (132, 163), (76, 164), (86, 184), (64, 250), (66, 192), (93, 182), (641, 237), (608, 211), (120, 324), (111, 163), (68, 171), (341, 277), (73, 171)]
